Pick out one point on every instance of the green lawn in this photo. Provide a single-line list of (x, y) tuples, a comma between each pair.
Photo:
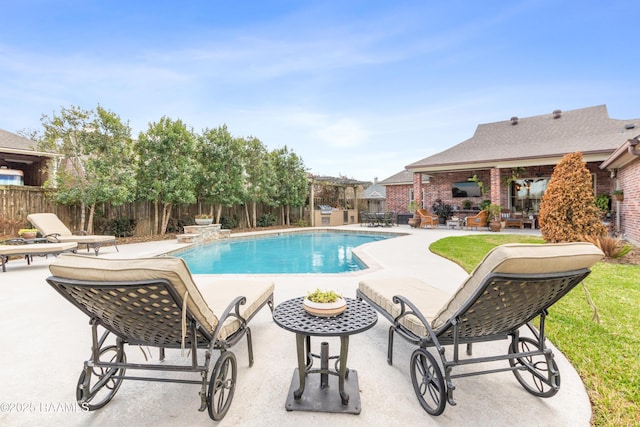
[(606, 355)]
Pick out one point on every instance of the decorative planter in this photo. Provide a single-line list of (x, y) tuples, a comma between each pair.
[(204, 221), (495, 226), (617, 197), (414, 222), (325, 309)]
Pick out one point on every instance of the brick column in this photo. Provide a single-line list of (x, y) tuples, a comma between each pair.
[(495, 186), (417, 188)]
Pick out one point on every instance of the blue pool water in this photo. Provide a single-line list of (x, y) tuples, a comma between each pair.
[(313, 252)]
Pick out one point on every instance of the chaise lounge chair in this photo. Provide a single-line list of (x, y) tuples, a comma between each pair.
[(19, 247), (54, 230), (514, 284), (155, 302)]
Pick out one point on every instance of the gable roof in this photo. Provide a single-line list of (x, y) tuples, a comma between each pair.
[(402, 178), (375, 191), (535, 140), (16, 144)]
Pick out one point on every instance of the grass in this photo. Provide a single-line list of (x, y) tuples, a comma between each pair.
[(605, 355)]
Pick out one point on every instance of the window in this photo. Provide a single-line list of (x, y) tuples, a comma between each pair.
[(526, 194)]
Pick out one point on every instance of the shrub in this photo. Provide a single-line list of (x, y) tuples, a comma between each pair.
[(266, 220), (568, 211), (228, 222), (176, 225), (119, 227)]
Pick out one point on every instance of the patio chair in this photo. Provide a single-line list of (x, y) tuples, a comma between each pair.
[(390, 219), (20, 247), (479, 220), (514, 284), (427, 219), (54, 230), (155, 302)]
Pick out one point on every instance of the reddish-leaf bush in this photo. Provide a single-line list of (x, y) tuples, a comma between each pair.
[(568, 211)]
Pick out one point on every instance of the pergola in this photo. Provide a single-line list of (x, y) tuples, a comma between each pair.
[(330, 181)]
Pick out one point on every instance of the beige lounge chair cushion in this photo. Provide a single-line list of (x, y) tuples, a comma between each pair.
[(36, 248), (428, 299), (510, 258), (49, 223), (174, 270)]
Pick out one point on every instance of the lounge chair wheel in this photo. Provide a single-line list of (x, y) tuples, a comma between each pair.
[(222, 384), (428, 382), (97, 388), (534, 374)]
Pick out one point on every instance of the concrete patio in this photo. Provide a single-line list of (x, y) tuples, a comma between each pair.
[(45, 341)]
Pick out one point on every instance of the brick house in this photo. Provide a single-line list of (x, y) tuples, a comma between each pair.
[(624, 166), (510, 162)]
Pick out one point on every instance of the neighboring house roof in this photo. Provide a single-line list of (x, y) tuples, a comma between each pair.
[(16, 144), (402, 178), (375, 191), (535, 140)]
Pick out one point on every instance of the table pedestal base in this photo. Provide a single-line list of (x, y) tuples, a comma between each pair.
[(316, 399)]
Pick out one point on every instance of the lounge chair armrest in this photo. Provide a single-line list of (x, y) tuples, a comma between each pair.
[(232, 310), (413, 310), (54, 235)]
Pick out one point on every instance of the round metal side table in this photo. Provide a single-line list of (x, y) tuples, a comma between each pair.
[(358, 317)]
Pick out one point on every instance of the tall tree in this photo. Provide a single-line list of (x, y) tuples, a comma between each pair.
[(221, 179), (166, 167), (259, 178), (94, 162), (568, 211), (291, 181)]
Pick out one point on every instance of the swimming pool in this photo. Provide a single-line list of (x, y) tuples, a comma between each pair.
[(285, 253)]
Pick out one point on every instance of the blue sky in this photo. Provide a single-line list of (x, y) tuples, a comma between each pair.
[(357, 88)]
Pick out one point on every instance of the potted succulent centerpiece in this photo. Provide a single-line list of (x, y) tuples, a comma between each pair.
[(203, 219), (324, 303)]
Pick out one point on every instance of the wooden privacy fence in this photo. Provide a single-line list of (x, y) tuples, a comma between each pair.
[(16, 202)]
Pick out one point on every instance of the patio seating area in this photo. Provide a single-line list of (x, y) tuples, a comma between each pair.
[(45, 341)]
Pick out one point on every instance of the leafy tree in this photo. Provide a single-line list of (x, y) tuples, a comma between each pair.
[(291, 181), (259, 178), (568, 212), (94, 163), (166, 167), (221, 179)]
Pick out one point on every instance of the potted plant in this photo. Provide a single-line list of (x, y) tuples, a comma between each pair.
[(495, 211), (28, 233), (324, 303), (413, 207), (617, 195), (203, 219), (466, 204), (442, 210)]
